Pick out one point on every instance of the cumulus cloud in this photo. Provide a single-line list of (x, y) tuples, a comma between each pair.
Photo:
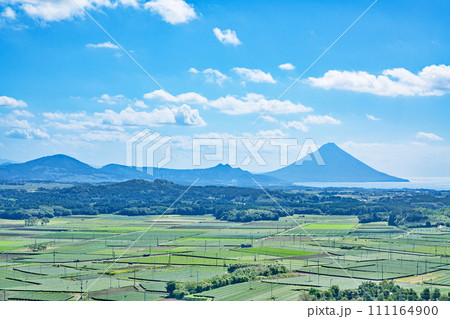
[(286, 66), (227, 36), (182, 115), (8, 13), (11, 121), (433, 80), (372, 118), (141, 104), (51, 10), (104, 136), (189, 97), (6, 101), (22, 113), (312, 120), (269, 118), (251, 103), (254, 75), (256, 103), (130, 3), (108, 99), (211, 75), (321, 119), (429, 136), (214, 76), (28, 134), (172, 11), (104, 45), (64, 116), (58, 10), (296, 125), (271, 133)]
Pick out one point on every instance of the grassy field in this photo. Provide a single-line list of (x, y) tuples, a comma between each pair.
[(109, 257)]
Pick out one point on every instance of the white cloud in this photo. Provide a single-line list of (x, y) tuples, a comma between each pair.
[(29, 134), (254, 75), (271, 134), (286, 66), (141, 104), (22, 113), (321, 119), (433, 80), (6, 101), (57, 10), (429, 136), (107, 99), (9, 13), (214, 76), (251, 103), (11, 121), (256, 103), (104, 136), (182, 115), (104, 45), (226, 36), (130, 3), (110, 120), (190, 97), (172, 11), (269, 118), (311, 119), (64, 116), (296, 125), (372, 118), (211, 75)]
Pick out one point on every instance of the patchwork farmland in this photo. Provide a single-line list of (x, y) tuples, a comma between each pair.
[(112, 257)]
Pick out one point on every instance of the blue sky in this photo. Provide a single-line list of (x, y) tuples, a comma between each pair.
[(381, 92)]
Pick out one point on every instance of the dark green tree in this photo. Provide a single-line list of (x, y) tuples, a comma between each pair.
[(425, 294), (171, 286)]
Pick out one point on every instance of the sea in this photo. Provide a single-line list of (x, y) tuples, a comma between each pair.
[(414, 183)]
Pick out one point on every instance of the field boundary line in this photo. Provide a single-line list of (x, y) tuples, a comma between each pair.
[(139, 237), (309, 235)]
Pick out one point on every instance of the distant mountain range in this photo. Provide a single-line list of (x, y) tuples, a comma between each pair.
[(339, 167)]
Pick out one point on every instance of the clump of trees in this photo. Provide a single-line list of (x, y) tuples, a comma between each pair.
[(34, 221), (247, 215), (237, 273), (384, 291), (38, 247)]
